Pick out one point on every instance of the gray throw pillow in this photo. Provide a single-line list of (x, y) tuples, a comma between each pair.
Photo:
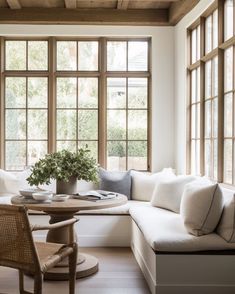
[(114, 181)]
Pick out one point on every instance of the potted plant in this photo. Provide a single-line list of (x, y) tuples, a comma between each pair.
[(66, 168)]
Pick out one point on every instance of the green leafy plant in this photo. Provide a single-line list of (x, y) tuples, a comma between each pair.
[(62, 166)]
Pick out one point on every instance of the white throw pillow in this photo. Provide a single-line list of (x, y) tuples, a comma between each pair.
[(143, 184), (167, 194), (8, 183), (226, 227), (201, 207)]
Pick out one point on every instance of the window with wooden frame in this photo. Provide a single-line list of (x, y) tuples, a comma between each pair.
[(217, 92), (63, 93), (194, 73), (25, 81)]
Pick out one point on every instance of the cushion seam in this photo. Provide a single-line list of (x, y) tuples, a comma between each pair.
[(212, 200), (233, 222)]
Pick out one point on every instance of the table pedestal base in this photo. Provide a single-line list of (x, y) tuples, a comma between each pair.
[(86, 264), (85, 268)]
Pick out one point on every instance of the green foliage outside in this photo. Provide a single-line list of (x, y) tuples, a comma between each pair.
[(63, 165)]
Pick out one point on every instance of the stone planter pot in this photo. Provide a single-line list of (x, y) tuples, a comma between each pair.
[(69, 187)]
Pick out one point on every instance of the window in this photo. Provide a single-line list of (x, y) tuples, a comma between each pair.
[(26, 103), (127, 105), (195, 104), (217, 94), (87, 92)]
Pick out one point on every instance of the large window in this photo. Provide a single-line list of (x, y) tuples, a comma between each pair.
[(70, 93), (216, 93)]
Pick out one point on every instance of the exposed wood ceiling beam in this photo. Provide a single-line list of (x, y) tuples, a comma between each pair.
[(179, 9), (14, 4), (154, 17), (122, 4), (71, 4)]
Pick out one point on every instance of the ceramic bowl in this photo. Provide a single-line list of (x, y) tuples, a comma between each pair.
[(60, 197), (28, 193), (42, 196)]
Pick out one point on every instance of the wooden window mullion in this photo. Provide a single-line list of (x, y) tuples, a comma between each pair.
[(2, 106)]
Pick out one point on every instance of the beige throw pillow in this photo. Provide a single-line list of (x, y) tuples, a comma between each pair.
[(9, 184), (201, 207), (167, 194), (226, 227), (143, 184)]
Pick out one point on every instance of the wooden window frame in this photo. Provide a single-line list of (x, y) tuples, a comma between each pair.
[(52, 74), (218, 51)]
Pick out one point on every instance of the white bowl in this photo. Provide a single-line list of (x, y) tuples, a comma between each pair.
[(60, 197), (42, 196), (28, 193)]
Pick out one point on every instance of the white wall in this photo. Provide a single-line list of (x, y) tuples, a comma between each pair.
[(181, 84), (162, 74)]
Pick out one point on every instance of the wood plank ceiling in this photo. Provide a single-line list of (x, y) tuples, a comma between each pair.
[(101, 12)]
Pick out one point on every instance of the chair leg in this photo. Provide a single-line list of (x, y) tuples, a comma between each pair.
[(72, 269), (21, 281), (38, 283)]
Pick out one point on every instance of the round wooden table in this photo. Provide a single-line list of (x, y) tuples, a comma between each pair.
[(60, 211)]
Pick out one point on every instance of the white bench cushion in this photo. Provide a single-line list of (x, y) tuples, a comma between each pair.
[(122, 209), (164, 231)]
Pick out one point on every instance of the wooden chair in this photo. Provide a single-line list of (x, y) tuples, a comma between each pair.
[(18, 249)]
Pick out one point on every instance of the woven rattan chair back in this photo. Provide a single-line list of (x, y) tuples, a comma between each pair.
[(17, 248)]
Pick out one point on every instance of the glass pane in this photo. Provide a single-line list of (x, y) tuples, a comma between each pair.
[(228, 69), (215, 77), (37, 92), (208, 34), (198, 42), (208, 80), (194, 45), (228, 19), (228, 172), (208, 163), (66, 55), (193, 121), (138, 56), (116, 151), (67, 145), (116, 56), (116, 124), (215, 29), (215, 117), (215, 159), (15, 92), (228, 115), (15, 55), (15, 124), (137, 155), (36, 150), (193, 86), (66, 124), (88, 55), (37, 124), (197, 157), (208, 119), (15, 155), (66, 92), (92, 146), (116, 92), (198, 85), (37, 55), (88, 92), (137, 93), (137, 124), (193, 157), (87, 124), (198, 121)]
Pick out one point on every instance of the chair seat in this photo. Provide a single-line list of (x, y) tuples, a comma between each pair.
[(51, 253)]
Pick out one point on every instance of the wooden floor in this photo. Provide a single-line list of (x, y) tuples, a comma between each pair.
[(118, 274)]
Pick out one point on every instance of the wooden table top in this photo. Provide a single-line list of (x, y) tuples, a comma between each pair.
[(73, 205)]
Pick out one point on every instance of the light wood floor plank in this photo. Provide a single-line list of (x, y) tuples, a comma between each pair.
[(118, 273)]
